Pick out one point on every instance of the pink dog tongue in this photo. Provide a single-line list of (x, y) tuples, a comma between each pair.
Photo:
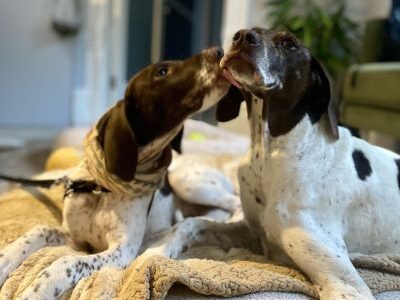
[(230, 78)]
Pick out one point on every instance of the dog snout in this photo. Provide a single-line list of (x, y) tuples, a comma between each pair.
[(214, 54), (246, 38)]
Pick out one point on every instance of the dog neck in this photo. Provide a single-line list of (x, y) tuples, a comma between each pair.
[(153, 149), (259, 131), (303, 136), (152, 165)]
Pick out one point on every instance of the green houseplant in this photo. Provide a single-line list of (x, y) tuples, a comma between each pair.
[(331, 35)]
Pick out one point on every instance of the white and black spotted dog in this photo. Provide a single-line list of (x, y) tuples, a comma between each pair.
[(310, 191), (126, 157)]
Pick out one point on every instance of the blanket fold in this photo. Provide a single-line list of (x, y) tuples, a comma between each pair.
[(205, 270)]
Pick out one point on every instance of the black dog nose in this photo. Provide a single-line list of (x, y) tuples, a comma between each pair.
[(219, 53), (238, 36), (246, 38), (251, 38)]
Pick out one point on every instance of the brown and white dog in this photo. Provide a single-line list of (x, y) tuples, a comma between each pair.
[(310, 196), (126, 157)]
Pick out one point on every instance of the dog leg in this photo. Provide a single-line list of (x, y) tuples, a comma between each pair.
[(204, 186), (323, 256), (124, 232), (199, 231), (67, 271), (13, 254)]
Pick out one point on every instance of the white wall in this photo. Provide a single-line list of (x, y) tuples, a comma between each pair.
[(101, 56), (35, 66)]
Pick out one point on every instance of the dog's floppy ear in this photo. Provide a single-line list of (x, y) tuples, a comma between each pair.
[(176, 143), (325, 95), (117, 139), (228, 107)]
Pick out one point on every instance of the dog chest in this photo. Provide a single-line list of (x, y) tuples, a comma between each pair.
[(88, 217), (252, 198), (79, 210)]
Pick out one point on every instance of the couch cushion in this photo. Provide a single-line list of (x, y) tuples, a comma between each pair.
[(373, 84), (364, 117)]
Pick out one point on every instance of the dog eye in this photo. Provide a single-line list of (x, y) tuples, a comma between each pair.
[(290, 45), (285, 40), (162, 71)]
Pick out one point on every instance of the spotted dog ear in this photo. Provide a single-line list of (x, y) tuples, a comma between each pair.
[(228, 107), (118, 141), (323, 91)]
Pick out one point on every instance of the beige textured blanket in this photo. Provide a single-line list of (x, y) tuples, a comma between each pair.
[(205, 270)]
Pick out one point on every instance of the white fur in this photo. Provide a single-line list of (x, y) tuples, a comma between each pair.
[(302, 197), (207, 78), (196, 180), (313, 205)]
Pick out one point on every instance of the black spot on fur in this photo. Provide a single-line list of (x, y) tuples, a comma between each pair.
[(36, 287), (397, 161), (361, 164), (258, 200), (68, 272), (166, 189), (57, 292)]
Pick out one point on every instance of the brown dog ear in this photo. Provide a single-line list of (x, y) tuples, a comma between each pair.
[(228, 107), (325, 95), (176, 143), (117, 139)]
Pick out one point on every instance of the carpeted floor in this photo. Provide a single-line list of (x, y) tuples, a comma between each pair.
[(25, 161)]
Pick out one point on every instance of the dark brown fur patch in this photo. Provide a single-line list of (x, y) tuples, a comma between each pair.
[(157, 100), (302, 87)]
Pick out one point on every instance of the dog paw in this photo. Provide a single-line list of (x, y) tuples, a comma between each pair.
[(145, 260), (233, 203), (346, 293), (16, 252), (6, 267)]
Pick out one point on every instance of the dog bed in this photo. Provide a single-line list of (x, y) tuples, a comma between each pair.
[(200, 273)]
